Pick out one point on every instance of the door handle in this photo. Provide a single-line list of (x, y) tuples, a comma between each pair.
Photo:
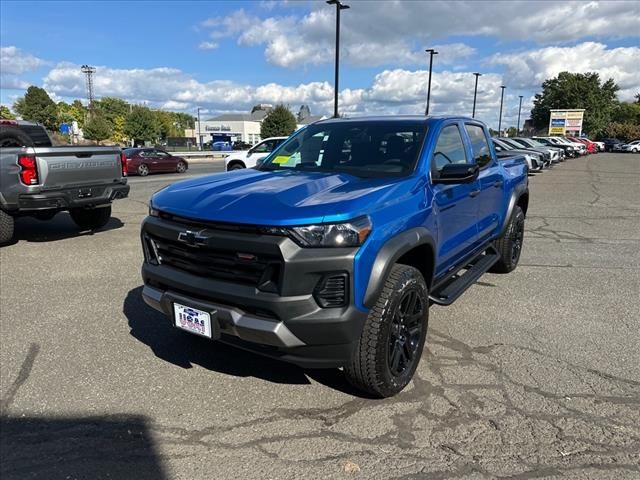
[(474, 193), (498, 183)]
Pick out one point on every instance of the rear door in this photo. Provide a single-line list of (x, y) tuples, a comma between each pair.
[(60, 167), (166, 162), (455, 206), (490, 182), (148, 157)]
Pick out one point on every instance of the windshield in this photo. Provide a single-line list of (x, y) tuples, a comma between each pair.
[(504, 145), (513, 143), (367, 148)]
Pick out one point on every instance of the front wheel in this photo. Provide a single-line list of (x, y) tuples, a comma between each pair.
[(91, 219), (509, 245), (393, 336), (181, 167)]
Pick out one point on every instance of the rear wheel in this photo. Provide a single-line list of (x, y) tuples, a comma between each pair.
[(393, 336), (509, 245), (181, 167), (91, 218), (6, 227), (143, 170)]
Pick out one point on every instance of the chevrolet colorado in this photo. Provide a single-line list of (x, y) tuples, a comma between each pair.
[(40, 180), (330, 252)]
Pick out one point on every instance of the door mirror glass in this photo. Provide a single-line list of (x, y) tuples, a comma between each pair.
[(454, 173)]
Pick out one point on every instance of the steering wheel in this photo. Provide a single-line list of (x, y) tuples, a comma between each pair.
[(445, 157)]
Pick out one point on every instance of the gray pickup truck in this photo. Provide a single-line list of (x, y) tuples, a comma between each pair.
[(40, 180)]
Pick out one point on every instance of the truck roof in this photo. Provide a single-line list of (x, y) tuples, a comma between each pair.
[(431, 119)]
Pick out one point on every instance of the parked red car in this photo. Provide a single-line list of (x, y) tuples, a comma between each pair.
[(591, 147), (143, 161)]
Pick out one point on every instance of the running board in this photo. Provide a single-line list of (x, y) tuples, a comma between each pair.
[(448, 291)]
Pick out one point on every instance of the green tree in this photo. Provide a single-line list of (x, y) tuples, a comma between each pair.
[(97, 128), (140, 124), (280, 122), (65, 113), (623, 131), (111, 107), (6, 114), (577, 90), (78, 112), (118, 134), (627, 112), (37, 106)]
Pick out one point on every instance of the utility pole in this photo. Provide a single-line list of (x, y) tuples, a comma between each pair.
[(519, 110), (431, 53), (89, 71), (199, 136), (475, 93), (339, 6), (500, 119)]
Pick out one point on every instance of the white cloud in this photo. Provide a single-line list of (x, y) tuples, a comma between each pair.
[(395, 33), (208, 45), (13, 63), (527, 70)]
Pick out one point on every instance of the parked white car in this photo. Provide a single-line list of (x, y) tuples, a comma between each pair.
[(600, 146), (249, 158), (633, 147)]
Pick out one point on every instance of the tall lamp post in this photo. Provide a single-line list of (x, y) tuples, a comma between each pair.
[(519, 110), (500, 119), (339, 6), (475, 94), (199, 136), (431, 53)]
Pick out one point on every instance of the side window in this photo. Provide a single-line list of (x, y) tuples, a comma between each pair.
[(160, 153), (263, 147), (449, 149), (479, 145)]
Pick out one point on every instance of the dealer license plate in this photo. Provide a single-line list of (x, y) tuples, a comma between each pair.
[(192, 320)]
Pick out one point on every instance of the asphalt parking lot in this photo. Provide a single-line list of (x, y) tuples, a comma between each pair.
[(535, 374)]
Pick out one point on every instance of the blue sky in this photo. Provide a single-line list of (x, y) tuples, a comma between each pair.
[(225, 56)]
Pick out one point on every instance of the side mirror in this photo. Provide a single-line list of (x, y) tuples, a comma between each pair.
[(454, 173)]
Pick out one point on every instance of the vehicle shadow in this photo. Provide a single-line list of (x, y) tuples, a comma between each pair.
[(60, 227), (78, 447), (184, 350)]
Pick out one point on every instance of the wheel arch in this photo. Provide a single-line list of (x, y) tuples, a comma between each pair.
[(519, 197), (415, 248), (236, 162)]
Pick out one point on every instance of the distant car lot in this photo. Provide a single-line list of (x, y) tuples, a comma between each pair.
[(538, 371)]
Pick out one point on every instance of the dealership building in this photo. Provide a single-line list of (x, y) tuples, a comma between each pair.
[(233, 127)]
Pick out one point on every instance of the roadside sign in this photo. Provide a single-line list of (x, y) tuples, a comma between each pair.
[(562, 122)]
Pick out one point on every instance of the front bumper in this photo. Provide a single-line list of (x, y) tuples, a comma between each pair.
[(76, 197), (286, 322)]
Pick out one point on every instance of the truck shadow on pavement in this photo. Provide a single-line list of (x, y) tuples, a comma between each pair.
[(114, 447), (59, 227), (185, 350)]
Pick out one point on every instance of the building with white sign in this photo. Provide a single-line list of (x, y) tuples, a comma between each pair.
[(245, 127)]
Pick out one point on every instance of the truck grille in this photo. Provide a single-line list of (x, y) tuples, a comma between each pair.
[(261, 271)]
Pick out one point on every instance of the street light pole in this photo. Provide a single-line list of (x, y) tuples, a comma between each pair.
[(500, 119), (475, 93), (199, 136), (339, 6), (519, 110), (431, 53)]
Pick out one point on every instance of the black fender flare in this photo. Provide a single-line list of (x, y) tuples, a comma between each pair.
[(518, 192), (389, 254)]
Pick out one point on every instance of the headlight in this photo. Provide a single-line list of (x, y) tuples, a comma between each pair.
[(349, 234), (153, 212)]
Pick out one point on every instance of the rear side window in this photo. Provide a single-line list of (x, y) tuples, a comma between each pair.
[(449, 148), (479, 145)]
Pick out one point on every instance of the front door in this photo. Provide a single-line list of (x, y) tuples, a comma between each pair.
[(455, 207)]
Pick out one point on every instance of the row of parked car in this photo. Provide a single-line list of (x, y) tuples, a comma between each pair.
[(615, 145), (542, 152)]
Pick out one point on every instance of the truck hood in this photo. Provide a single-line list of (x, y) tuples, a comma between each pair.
[(278, 198)]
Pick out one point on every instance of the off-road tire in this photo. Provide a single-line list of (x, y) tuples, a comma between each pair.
[(91, 219), (369, 369), (509, 245), (143, 170), (6, 227), (11, 137)]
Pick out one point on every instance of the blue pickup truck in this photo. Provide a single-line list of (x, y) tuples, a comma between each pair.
[(330, 252)]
